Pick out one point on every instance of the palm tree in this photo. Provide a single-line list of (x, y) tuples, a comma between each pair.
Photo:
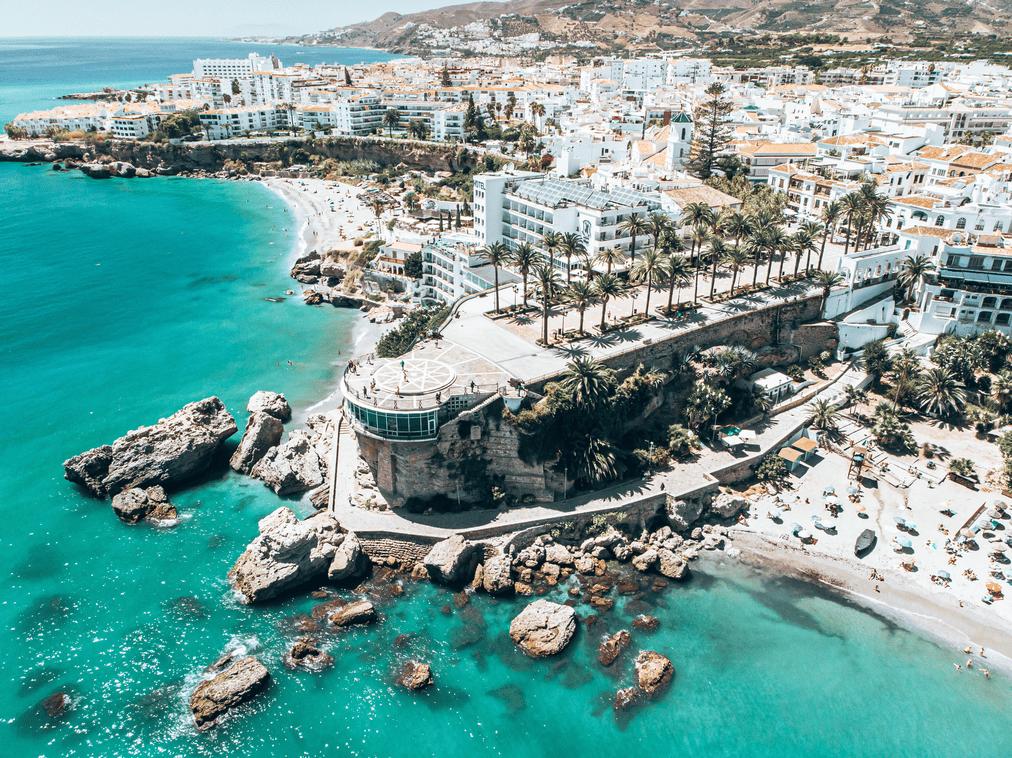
[(391, 119), (700, 234), (552, 242), (549, 283), (583, 295), (679, 273), (855, 396), (497, 255), (377, 206), (718, 251), (610, 256), (913, 272), (810, 230), (524, 259), (607, 287), (941, 392), (736, 260), (827, 280), (1001, 389), (652, 264), (775, 239), (589, 380), (660, 223), (824, 415), (831, 213), (595, 459), (756, 243), (905, 365), (853, 204), (538, 111), (572, 244), (634, 225), (697, 213), (739, 225), (411, 201)]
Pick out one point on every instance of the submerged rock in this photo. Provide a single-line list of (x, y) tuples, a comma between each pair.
[(304, 654), (271, 403), (415, 676), (263, 431), (136, 505), (171, 451), (55, 704), (543, 628), (229, 688), (645, 623), (449, 560), (626, 698), (610, 649), (287, 553)]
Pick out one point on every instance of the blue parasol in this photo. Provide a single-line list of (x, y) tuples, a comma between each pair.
[(904, 541), (943, 575)]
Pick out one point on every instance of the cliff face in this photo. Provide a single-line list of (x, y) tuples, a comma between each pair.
[(211, 157)]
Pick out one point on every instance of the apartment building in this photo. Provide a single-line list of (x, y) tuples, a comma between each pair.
[(807, 191), (222, 123), (357, 115), (453, 266), (234, 68), (760, 157)]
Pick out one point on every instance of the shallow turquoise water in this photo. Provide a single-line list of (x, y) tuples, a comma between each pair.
[(126, 617)]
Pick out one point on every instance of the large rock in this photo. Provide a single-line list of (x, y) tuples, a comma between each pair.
[(559, 554), (449, 560), (307, 268), (728, 506), (348, 561), (415, 676), (609, 650), (96, 170), (287, 553), (352, 615), (497, 577), (332, 268), (653, 672), (671, 565), (263, 431), (292, 467), (273, 403), (646, 561), (136, 505), (171, 451), (229, 688), (626, 698), (682, 514), (543, 628)]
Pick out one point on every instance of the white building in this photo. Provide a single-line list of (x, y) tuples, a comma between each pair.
[(233, 68)]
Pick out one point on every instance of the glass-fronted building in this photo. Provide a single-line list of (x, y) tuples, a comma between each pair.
[(395, 425)]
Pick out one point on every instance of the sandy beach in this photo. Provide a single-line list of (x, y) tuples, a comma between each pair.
[(328, 215), (951, 612)]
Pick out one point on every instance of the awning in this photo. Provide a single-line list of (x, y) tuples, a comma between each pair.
[(747, 434), (790, 454), (805, 444), (732, 441)]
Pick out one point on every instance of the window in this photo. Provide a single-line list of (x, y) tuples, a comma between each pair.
[(980, 225), (984, 317), (961, 224), (989, 302), (997, 226), (940, 220), (976, 263), (1002, 319)]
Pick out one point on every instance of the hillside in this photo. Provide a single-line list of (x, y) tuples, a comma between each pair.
[(529, 27)]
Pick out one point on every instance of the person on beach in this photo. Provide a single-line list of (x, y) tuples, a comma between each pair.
[(969, 663), (958, 667), (982, 653)]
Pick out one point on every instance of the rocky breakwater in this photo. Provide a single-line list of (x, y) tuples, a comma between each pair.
[(172, 451), (233, 683), (289, 552), (543, 628)]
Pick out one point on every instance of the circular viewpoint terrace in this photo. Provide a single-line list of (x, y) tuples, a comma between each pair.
[(408, 398)]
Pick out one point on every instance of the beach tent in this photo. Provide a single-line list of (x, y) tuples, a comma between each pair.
[(790, 455)]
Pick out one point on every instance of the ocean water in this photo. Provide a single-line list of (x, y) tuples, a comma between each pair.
[(36, 71), (124, 300)]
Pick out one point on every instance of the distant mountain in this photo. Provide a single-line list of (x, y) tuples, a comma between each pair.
[(641, 25)]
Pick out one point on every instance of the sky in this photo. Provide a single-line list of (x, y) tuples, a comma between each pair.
[(196, 18)]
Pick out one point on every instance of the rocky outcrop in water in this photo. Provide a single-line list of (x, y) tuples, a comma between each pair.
[(610, 649), (301, 463), (287, 553), (449, 560), (349, 560), (496, 576), (543, 628), (263, 432), (228, 689), (305, 655), (653, 672), (415, 676), (169, 452), (353, 615), (273, 403), (136, 504)]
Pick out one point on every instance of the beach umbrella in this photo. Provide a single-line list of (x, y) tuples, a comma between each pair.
[(943, 575), (804, 535), (1000, 548), (993, 514), (911, 527), (907, 561), (829, 489), (899, 520), (860, 508), (904, 541), (776, 512), (993, 587), (795, 528), (945, 505), (1000, 505), (852, 490), (967, 533)]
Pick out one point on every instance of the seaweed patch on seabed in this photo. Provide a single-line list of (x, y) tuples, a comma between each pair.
[(213, 280), (42, 562), (512, 696), (809, 587), (37, 678), (46, 611)]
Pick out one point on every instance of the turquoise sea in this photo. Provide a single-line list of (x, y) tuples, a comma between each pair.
[(126, 299)]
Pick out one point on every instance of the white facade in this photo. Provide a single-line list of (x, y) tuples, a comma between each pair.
[(233, 68)]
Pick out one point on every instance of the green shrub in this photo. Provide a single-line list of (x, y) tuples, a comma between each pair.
[(963, 467), (771, 468)]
